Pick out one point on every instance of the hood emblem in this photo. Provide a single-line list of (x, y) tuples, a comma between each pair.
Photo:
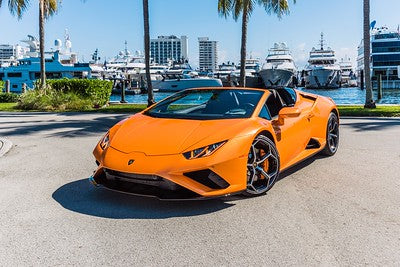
[(131, 161)]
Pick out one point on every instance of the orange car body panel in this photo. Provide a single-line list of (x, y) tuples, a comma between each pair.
[(157, 144)]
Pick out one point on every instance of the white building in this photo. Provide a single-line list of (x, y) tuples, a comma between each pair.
[(208, 54), (7, 52), (166, 48)]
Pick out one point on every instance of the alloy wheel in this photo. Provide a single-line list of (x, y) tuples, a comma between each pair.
[(262, 166), (333, 134)]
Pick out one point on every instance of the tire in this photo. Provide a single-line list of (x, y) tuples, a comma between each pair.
[(332, 136), (262, 166)]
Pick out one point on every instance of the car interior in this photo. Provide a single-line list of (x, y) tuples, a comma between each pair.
[(279, 99)]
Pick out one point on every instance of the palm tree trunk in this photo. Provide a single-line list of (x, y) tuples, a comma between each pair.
[(150, 93), (369, 102), (245, 17), (41, 37)]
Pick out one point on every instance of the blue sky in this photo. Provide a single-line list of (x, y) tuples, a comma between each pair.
[(107, 24)]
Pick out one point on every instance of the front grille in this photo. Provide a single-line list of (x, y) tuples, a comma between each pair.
[(133, 176), (146, 185)]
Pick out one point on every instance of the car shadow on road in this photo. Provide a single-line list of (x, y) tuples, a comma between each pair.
[(299, 166), (80, 196)]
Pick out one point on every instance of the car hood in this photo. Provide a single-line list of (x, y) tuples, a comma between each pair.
[(161, 136)]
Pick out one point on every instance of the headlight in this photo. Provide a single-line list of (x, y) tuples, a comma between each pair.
[(105, 142), (203, 151)]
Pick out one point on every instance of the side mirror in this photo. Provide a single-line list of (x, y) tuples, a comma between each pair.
[(287, 112)]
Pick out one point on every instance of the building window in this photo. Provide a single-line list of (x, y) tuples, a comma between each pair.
[(14, 74)]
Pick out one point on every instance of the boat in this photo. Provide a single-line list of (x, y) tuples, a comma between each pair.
[(181, 76), (279, 68), (322, 71), (181, 68), (225, 69), (27, 71), (175, 85), (349, 78), (252, 67), (178, 79), (385, 58), (125, 64)]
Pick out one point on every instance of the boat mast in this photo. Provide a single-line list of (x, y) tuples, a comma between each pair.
[(322, 41)]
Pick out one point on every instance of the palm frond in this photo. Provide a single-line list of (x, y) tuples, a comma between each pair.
[(225, 7), (51, 7), (238, 7), (277, 7), (17, 7)]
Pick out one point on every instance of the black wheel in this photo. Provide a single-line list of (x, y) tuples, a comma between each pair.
[(332, 135), (262, 166)]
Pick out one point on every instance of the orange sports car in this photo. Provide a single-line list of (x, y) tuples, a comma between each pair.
[(210, 142)]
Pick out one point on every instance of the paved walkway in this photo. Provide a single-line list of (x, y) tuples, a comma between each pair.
[(339, 211)]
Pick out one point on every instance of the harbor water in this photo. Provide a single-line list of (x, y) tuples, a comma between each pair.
[(342, 96)]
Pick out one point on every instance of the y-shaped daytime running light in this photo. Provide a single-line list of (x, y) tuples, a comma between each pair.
[(203, 151)]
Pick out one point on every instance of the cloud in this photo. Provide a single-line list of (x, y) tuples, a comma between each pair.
[(300, 55)]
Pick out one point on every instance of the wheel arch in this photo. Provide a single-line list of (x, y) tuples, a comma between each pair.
[(268, 134), (335, 110)]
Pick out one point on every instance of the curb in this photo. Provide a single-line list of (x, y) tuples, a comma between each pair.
[(5, 146)]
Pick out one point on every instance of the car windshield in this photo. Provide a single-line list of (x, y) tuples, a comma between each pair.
[(208, 104)]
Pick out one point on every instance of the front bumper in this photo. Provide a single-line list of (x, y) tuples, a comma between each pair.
[(173, 176)]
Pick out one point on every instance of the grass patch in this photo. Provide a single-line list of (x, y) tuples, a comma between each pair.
[(122, 108), (360, 111), (345, 111), (119, 108), (8, 107)]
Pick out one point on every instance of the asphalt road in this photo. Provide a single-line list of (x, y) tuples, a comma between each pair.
[(339, 211)]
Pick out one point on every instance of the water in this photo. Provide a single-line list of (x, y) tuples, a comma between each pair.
[(340, 96), (356, 95)]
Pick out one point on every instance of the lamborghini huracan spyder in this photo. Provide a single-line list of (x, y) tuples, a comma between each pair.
[(210, 142)]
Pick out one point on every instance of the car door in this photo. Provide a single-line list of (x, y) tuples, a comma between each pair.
[(292, 135)]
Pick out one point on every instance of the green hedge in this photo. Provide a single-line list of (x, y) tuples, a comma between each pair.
[(2, 83), (67, 94), (52, 100), (96, 90), (8, 97)]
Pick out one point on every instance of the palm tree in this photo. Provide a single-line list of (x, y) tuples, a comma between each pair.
[(369, 102), (245, 8), (17, 7), (150, 94), (47, 8)]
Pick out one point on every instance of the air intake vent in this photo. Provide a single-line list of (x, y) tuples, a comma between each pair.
[(208, 178), (313, 144)]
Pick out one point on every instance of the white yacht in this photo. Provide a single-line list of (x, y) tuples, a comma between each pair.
[(179, 84), (348, 76), (322, 71), (180, 77), (279, 68), (181, 68), (225, 69), (126, 63), (252, 68)]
